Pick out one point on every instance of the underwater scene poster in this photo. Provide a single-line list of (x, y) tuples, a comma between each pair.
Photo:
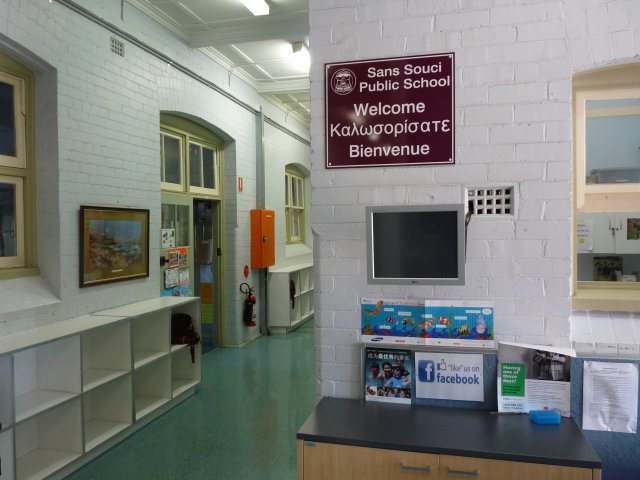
[(431, 322)]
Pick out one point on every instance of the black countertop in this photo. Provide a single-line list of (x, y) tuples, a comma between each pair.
[(449, 431)]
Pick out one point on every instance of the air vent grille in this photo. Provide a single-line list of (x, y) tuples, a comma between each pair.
[(117, 46), (490, 201)]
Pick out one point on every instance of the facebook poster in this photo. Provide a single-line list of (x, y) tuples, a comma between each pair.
[(449, 376)]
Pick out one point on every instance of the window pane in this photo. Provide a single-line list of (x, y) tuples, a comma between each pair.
[(177, 217), (208, 167), (7, 121), (8, 241), (295, 224), (171, 159), (294, 191), (300, 202), (195, 165), (286, 189)]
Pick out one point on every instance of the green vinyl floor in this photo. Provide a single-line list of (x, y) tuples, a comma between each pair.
[(241, 423)]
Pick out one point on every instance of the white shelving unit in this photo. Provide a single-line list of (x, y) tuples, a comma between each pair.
[(284, 313), (72, 390)]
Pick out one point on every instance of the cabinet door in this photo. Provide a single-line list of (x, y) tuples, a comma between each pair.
[(456, 468), (323, 461)]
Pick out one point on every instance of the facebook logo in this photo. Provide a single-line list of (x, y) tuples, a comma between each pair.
[(426, 371)]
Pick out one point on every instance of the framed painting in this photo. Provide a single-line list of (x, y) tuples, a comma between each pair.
[(114, 244)]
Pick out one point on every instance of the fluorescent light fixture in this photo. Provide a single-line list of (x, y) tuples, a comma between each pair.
[(301, 56), (257, 7)]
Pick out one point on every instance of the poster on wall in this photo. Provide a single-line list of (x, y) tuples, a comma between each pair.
[(534, 377), (450, 376), (610, 397), (387, 375), (431, 322), (390, 112)]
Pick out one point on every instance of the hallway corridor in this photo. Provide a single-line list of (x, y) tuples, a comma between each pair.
[(240, 425)]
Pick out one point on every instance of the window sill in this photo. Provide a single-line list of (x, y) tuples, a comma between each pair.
[(612, 297), (8, 273)]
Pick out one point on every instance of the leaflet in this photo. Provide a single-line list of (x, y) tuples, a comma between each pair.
[(534, 377)]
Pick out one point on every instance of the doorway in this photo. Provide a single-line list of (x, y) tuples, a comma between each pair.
[(208, 269), (191, 258)]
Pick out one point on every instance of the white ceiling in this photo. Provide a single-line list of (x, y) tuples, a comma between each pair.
[(257, 48)]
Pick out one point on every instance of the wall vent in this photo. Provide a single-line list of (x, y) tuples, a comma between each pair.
[(117, 46), (490, 201)]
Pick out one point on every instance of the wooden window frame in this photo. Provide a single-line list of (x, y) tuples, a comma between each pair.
[(290, 207), (619, 82)]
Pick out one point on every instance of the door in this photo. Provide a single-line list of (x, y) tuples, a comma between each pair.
[(207, 259)]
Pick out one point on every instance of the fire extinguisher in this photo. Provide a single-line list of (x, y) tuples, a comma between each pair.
[(248, 316)]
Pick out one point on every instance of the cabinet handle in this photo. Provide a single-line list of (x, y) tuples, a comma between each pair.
[(467, 473), (416, 469)]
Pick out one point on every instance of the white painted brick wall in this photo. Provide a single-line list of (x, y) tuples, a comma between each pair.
[(514, 63), (97, 143)]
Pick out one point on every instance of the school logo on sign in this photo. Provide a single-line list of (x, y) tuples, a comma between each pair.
[(343, 81)]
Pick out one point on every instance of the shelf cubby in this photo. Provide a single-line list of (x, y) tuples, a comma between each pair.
[(45, 376), (283, 316), (152, 386), (184, 373), (304, 280), (107, 411), (106, 354), (6, 453), (48, 441), (151, 337), (6, 392)]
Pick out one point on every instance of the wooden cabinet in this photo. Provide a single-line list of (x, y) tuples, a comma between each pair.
[(291, 291), (80, 386), (357, 439), (326, 461)]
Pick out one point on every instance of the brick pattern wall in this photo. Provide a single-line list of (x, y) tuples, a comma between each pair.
[(514, 64), (97, 140)]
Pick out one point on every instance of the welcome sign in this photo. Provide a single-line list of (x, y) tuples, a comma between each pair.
[(395, 111)]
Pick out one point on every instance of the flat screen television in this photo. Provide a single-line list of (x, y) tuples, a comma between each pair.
[(416, 244)]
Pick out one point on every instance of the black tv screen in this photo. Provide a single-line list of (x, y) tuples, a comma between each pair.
[(415, 244)]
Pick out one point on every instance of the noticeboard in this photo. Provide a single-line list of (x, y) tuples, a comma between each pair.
[(390, 112)]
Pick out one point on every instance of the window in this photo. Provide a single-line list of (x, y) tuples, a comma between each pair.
[(190, 162), (202, 168), (16, 85), (606, 266), (170, 152), (294, 206)]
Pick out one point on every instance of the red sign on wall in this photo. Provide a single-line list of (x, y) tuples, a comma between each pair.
[(390, 112)]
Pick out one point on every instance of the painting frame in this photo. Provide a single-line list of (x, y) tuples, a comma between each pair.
[(114, 244)]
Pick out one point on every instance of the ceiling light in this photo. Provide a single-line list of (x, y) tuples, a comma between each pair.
[(257, 7), (300, 55)]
